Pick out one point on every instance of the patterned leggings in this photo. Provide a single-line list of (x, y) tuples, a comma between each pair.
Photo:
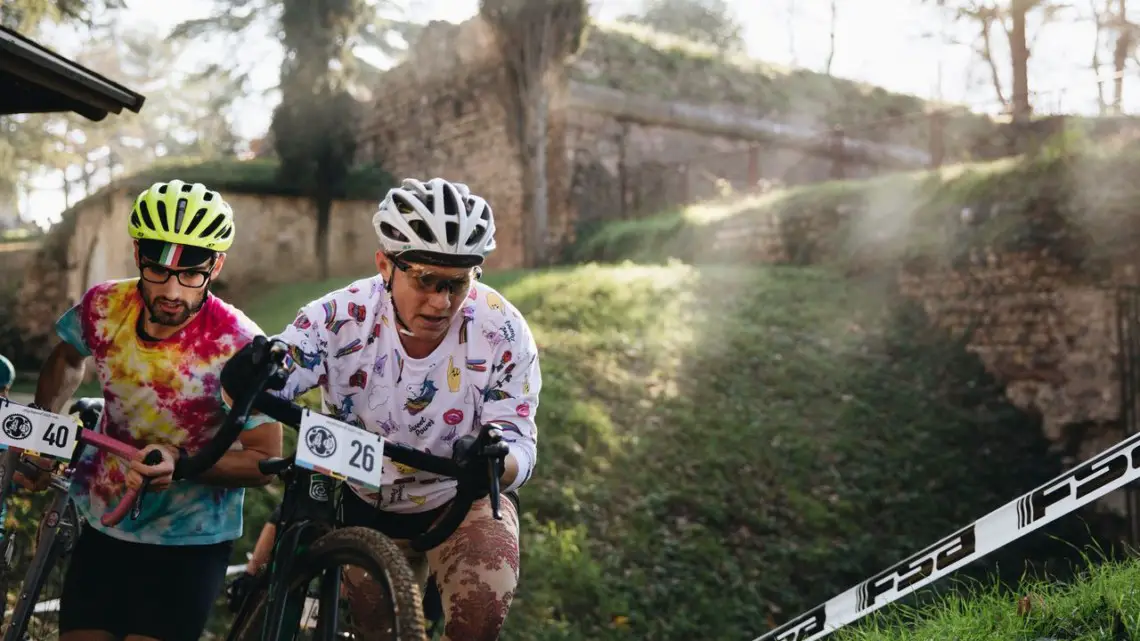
[(476, 571)]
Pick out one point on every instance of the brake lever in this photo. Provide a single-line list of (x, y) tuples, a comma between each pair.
[(154, 458), (494, 436)]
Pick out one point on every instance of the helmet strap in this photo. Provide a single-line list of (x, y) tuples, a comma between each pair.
[(401, 326)]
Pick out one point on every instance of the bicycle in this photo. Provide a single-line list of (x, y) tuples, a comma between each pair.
[(59, 437), (309, 545)]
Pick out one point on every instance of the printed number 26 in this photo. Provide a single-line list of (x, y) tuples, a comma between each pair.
[(57, 435), (363, 456)]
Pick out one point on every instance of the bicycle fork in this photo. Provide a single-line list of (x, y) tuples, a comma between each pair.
[(49, 548)]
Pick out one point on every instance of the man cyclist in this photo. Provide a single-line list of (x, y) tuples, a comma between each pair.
[(158, 343), (425, 355)]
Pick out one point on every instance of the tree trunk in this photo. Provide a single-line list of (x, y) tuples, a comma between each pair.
[(1098, 23), (538, 132), (831, 40), (1019, 57), (324, 212), (1120, 57)]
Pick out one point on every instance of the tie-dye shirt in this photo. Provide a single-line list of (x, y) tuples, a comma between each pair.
[(166, 391), (486, 370)]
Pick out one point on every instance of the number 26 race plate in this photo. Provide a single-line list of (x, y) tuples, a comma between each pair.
[(340, 450), (40, 431)]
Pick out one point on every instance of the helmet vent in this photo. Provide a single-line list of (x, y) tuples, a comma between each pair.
[(213, 226), (162, 216)]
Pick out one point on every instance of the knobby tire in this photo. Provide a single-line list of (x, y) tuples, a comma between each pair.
[(357, 546)]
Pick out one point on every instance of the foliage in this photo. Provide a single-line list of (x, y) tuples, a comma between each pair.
[(1071, 198), (534, 39), (721, 445), (260, 176), (26, 16), (314, 127), (706, 21), (641, 60)]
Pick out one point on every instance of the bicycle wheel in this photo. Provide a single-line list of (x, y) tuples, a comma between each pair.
[(381, 561)]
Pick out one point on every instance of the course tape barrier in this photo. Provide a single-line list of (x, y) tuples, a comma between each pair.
[(1110, 470)]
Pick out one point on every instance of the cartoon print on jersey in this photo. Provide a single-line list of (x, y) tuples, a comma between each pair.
[(452, 417), (374, 334), (302, 321), (488, 393), (379, 363), (422, 426), (473, 293), (506, 358), (418, 500), (331, 323), (357, 312), (359, 379), (406, 470), (508, 331), (492, 334), (323, 382), (468, 318), (353, 290), (399, 367), (351, 348), (477, 364), (495, 302), (418, 401), (303, 359), (388, 425), (454, 375), (377, 285)]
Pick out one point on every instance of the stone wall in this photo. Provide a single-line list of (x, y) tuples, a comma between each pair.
[(431, 119), (274, 245), (1044, 329), (14, 259), (612, 153)]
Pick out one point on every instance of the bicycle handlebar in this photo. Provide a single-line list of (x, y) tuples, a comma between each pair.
[(269, 359), (89, 410)]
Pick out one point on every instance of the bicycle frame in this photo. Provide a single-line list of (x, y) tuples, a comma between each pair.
[(59, 532), (307, 513)]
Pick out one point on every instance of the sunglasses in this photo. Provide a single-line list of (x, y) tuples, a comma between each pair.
[(157, 274), (429, 283)]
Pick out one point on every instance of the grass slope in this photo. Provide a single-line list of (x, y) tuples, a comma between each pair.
[(721, 448)]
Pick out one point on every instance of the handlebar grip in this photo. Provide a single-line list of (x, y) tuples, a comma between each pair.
[(447, 525), (132, 500), (120, 512)]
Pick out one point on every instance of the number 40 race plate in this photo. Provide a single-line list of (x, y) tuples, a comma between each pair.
[(338, 449), (37, 430)]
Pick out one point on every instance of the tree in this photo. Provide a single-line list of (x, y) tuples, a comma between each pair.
[(534, 39), (314, 127), (1011, 16), (707, 21)]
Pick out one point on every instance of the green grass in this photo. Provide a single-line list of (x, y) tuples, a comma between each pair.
[(1100, 604), (723, 447), (1073, 198)]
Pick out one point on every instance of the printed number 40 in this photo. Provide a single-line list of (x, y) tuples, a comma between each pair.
[(363, 456), (57, 435)]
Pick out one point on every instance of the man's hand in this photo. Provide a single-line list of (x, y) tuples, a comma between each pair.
[(161, 474), (40, 480)]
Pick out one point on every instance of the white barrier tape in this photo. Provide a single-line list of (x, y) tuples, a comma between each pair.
[(1115, 467)]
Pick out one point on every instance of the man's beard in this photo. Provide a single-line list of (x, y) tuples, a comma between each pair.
[(171, 319)]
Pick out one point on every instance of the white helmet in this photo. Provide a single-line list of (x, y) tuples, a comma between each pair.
[(437, 222)]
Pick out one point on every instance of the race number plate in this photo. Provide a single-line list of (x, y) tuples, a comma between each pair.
[(340, 450), (39, 431)]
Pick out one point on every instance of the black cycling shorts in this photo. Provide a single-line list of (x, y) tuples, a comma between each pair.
[(164, 592)]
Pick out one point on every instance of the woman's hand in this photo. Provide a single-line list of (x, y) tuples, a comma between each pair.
[(161, 474)]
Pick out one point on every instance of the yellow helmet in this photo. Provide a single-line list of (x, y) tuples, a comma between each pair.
[(184, 214)]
